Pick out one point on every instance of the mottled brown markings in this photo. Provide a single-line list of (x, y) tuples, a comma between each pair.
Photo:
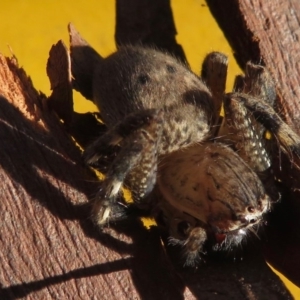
[(178, 119), (143, 79), (214, 154), (188, 140), (200, 127), (262, 113), (140, 79), (196, 187), (184, 180), (171, 69), (226, 204), (246, 186), (185, 129), (217, 184), (179, 160)]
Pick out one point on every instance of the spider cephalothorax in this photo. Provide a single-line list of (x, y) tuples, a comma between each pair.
[(223, 197), (206, 177)]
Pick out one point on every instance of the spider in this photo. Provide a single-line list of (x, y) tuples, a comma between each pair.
[(206, 178)]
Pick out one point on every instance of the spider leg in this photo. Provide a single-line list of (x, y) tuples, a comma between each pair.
[(263, 113), (242, 127), (138, 135), (192, 246), (257, 82), (245, 136), (214, 74), (184, 232)]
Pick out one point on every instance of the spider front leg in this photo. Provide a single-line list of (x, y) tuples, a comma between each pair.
[(138, 135), (288, 140), (183, 231), (249, 114)]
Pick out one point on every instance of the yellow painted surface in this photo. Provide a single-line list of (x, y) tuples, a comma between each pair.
[(31, 27), (295, 291)]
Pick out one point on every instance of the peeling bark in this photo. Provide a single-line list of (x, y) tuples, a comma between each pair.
[(266, 32), (269, 32), (49, 247)]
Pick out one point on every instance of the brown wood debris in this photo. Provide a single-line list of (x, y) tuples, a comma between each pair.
[(49, 247), (269, 32)]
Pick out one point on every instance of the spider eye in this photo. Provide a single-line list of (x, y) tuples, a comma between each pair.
[(250, 209)]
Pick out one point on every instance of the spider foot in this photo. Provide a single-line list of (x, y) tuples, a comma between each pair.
[(105, 207), (192, 246), (101, 213), (110, 213), (116, 210)]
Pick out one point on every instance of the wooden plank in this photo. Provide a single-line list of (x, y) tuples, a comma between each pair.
[(268, 32), (50, 249)]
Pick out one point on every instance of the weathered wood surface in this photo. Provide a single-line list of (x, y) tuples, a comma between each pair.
[(50, 249), (269, 32)]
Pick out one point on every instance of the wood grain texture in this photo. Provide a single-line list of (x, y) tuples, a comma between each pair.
[(49, 247), (267, 32), (59, 73)]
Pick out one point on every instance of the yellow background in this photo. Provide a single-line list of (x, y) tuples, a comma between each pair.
[(31, 27)]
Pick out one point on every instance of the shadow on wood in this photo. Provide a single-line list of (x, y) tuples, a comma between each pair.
[(49, 247)]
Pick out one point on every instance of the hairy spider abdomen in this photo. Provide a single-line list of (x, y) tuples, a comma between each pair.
[(136, 78)]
